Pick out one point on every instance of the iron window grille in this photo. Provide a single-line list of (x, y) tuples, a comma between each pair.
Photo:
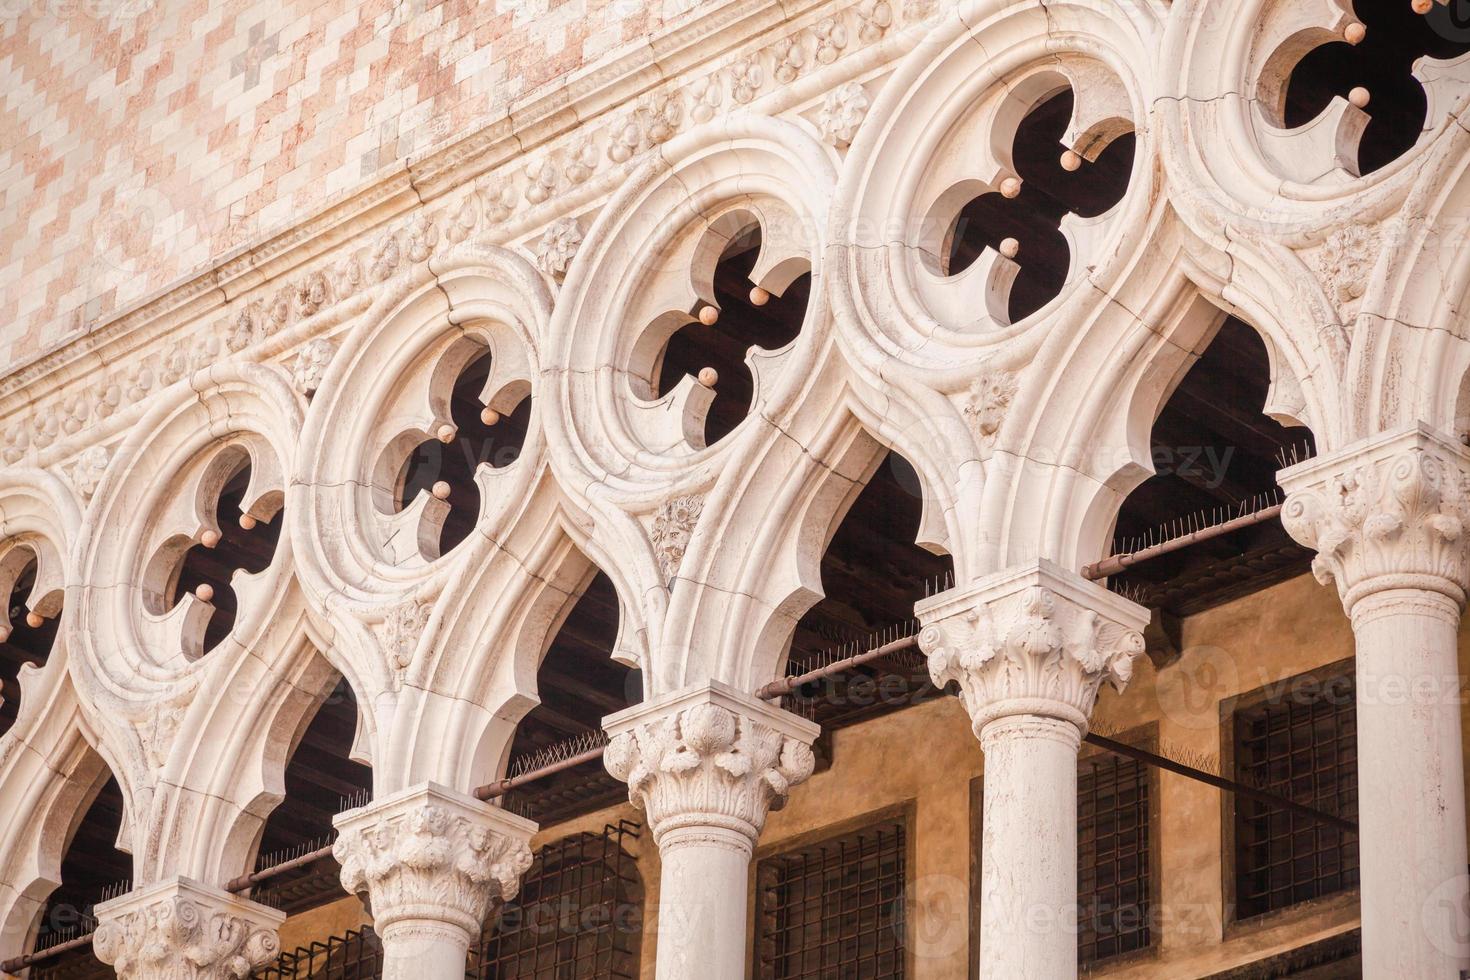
[(1303, 747), (1113, 866), (355, 955), (834, 910), (579, 914)]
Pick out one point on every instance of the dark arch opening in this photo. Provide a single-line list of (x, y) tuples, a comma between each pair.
[(321, 780), (579, 685), (1382, 63), (1213, 450), (92, 871), (872, 575), (26, 644)]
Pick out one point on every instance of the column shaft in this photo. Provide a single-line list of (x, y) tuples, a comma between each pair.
[(1411, 788), (1029, 649), (1389, 518), (706, 764), (1028, 859), (704, 893)]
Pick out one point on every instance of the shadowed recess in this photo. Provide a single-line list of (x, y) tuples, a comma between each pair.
[(475, 443), (741, 325), (1033, 218)]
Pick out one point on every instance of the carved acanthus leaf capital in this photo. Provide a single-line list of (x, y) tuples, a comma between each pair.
[(179, 929), (709, 757), (1035, 640), (1389, 512), (429, 854)]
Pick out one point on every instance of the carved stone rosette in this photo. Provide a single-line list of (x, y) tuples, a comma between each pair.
[(1037, 640), (1386, 513), (432, 855), (709, 757), (179, 929)]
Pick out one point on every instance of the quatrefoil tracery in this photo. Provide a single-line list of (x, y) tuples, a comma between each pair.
[(1023, 220), (217, 538), (437, 476), (1347, 95), (1020, 193), (28, 623), (744, 313)]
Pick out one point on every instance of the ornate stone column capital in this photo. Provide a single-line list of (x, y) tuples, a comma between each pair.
[(709, 759), (430, 858), (1386, 513), (1035, 640), (179, 929)]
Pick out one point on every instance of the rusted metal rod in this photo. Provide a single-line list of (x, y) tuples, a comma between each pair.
[(17, 963), (1219, 782), (499, 788), (1117, 563), (245, 882), (785, 685)]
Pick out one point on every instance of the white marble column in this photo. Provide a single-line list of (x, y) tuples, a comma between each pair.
[(430, 862), (706, 764), (1388, 519), (179, 929), (1029, 648)]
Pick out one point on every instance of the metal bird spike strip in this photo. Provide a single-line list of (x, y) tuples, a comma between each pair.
[(285, 854), (558, 752), (853, 648), (1184, 532)]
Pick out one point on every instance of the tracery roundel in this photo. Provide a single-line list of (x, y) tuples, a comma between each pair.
[(999, 186)]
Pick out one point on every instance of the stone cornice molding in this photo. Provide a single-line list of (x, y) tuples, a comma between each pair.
[(708, 763), (1389, 512), (432, 857), (1032, 640), (179, 929)]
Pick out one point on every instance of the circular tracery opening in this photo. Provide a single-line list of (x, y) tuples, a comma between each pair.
[(234, 539), (748, 317), (1381, 65), (1032, 219), (27, 638), (477, 435)]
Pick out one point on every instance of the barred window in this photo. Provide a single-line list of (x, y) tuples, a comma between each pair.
[(1302, 746), (833, 910), (355, 955), (579, 914), (1112, 857)]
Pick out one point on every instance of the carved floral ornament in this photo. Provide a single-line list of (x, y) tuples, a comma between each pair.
[(709, 757), (180, 930), (432, 853), (1041, 641), (1391, 512)]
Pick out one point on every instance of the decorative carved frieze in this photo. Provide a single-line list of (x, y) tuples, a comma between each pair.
[(430, 854), (311, 365), (841, 113), (556, 248), (1389, 512), (1037, 640), (86, 472), (709, 756), (987, 402), (673, 526), (179, 929)]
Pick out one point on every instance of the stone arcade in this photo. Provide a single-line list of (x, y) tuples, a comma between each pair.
[(417, 417)]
